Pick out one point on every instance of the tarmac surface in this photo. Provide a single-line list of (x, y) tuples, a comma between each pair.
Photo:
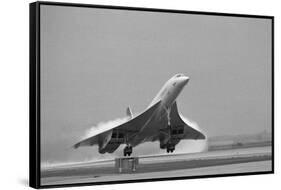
[(253, 159)]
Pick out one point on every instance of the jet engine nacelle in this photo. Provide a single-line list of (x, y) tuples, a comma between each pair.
[(171, 136), (104, 139), (109, 141)]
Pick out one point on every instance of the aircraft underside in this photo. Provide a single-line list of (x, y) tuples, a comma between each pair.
[(168, 136)]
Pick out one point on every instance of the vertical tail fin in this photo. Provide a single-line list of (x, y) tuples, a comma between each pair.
[(129, 112)]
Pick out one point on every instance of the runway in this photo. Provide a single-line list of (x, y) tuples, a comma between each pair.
[(253, 159)]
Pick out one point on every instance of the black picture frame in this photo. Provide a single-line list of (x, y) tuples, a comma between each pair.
[(35, 94)]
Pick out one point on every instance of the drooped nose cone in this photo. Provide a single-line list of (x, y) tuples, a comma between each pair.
[(185, 80)]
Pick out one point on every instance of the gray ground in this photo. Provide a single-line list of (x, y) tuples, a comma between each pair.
[(252, 159)]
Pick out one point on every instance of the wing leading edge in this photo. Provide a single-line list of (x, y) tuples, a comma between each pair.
[(130, 127)]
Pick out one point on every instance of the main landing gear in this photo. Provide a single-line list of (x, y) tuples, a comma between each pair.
[(128, 150), (170, 145)]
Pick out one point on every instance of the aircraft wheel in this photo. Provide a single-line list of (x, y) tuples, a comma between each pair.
[(128, 150), (125, 151), (170, 148)]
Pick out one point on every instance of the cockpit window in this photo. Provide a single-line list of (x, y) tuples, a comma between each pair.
[(178, 75)]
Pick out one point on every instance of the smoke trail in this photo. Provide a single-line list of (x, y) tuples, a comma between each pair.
[(104, 126), (190, 146)]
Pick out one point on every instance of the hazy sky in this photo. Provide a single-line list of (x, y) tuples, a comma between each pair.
[(96, 62)]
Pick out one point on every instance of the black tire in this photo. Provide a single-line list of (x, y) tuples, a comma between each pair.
[(128, 150), (125, 152)]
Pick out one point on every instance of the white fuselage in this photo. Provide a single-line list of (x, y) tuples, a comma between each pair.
[(170, 91), (167, 95)]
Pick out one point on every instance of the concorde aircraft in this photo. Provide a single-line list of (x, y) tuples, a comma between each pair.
[(161, 122)]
